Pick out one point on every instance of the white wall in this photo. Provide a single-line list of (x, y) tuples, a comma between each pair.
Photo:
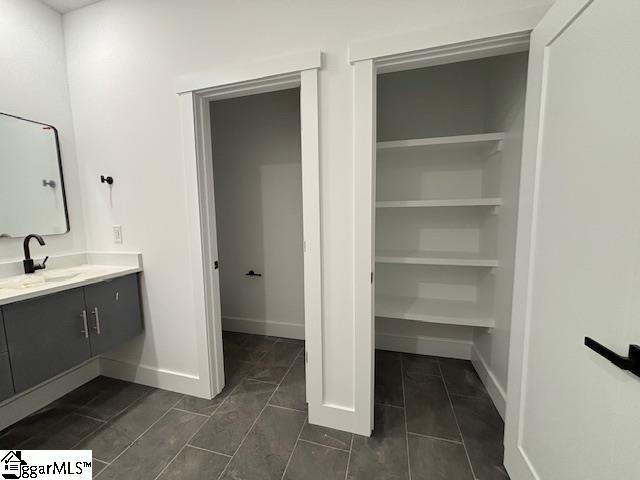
[(33, 84), (124, 57), (258, 192)]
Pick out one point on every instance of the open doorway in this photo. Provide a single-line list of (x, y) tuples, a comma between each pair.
[(256, 156)]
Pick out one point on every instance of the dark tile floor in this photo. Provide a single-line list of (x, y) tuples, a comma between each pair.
[(433, 420)]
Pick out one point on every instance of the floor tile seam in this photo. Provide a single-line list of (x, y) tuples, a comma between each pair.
[(189, 411), (455, 417), (346, 473), (206, 450), (432, 437), (288, 408), (295, 445), (255, 421), (141, 435), (187, 443), (120, 412), (404, 415), (322, 445), (107, 423)]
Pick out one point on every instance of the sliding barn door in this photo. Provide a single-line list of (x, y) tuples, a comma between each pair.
[(573, 412)]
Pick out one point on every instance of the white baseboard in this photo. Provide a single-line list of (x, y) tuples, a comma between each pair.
[(496, 392), (153, 377), (263, 327), (439, 347), (19, 406)]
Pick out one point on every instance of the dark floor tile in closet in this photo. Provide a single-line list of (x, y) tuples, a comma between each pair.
[(258, 345), (420, 365), (292, 391), (195, 464), (388, 382), (148, 456), (428, 407), (434, 459), (383, 456), (226, 428), (461, 378), (482, 429), (316, 462), (64, 435), (117, 434), (266, 450), (326, 436), (113, 399), (275, 363)]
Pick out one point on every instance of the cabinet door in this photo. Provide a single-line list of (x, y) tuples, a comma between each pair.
[(46, 336), (114, 312), (6, 382)]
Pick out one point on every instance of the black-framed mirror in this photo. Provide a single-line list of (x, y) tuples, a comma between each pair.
[(32, 193)]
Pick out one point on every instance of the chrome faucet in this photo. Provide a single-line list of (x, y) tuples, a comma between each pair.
[(29, 265)]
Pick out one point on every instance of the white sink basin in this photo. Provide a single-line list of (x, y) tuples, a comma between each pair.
[(21, 282)]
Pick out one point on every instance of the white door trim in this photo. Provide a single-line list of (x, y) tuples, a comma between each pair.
[(560, 16), (488, 37), (196, 91)]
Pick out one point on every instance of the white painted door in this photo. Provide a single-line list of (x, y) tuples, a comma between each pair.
[(573, 415)]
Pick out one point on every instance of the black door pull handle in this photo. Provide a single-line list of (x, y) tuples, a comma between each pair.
[(630, 363), (251, 273)]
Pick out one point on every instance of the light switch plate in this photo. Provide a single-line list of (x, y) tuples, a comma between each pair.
[(117, 234)]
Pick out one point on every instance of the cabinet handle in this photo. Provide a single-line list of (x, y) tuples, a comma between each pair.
[(97, 327), (86, 325)]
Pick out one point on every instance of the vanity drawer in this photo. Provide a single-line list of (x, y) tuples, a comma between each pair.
[(6, 382)]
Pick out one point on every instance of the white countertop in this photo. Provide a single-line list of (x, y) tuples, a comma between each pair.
[(51, 280)]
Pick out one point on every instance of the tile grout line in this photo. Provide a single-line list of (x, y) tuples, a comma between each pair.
[(189, 411), (455, 417), (287, 408), (207, 450), (140, 436), (107, 422), (321, 445), (346, 472), (186, 444), (295, 445), (434, 438), (404, 413), (258, 417)]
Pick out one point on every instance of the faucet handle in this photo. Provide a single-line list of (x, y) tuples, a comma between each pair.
[(43, 265)]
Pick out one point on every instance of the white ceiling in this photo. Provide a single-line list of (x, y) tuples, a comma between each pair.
[(64, 6)]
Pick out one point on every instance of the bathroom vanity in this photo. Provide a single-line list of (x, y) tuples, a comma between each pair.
[(56, 320)]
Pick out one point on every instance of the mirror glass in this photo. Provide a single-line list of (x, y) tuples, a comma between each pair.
[(32, 198)]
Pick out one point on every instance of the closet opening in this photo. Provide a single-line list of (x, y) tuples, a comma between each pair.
[(447, 173), (257, 176)]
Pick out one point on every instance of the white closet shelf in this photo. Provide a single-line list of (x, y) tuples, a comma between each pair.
[(448, 312), (455, 202), (470, 140), (462, 259)]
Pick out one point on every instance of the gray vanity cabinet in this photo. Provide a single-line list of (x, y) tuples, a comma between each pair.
[(6, 382), (114, 312), (46, 336)]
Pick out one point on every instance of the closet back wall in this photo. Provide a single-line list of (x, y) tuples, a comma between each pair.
[(258, 192)]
